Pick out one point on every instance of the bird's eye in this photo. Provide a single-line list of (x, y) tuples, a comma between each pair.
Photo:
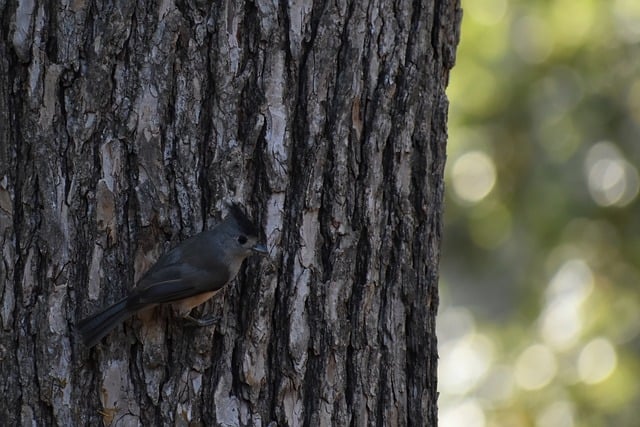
[(242, 239)]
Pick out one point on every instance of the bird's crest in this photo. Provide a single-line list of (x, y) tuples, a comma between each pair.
[(243, 221)]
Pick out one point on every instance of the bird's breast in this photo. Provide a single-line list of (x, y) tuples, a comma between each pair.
[(183, 307)]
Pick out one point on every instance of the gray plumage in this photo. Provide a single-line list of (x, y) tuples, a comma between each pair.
[(186, 276)]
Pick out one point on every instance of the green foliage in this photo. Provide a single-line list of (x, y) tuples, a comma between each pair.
[(540, 315)]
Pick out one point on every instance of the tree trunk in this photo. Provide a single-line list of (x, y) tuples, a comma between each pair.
[(125, 127)]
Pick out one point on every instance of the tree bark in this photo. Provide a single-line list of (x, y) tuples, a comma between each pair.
[(124, 127)]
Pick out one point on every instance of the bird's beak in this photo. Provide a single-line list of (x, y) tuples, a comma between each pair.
[(260, 249)]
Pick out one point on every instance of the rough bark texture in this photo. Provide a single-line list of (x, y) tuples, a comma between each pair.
[(125, 126)]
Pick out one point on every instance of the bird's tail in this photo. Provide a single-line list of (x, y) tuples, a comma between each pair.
[(95, 327)]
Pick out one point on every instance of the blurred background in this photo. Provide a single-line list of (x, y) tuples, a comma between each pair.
[(539, 320)]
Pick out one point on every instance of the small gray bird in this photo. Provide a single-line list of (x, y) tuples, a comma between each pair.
[(186, 276)]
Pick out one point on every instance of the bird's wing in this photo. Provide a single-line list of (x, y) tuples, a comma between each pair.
[(166, 291), (174, 282)]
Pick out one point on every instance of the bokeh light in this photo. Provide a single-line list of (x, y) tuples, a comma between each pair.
[(473, 176), (561, 321), (535, 367), (465, 413), (572, 25), (612, 180), (557, 414), (627, 15), (486, 12), (531, 39), (597, 361), (464, 363)]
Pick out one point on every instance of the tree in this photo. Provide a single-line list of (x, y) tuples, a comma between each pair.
[(125, 127)]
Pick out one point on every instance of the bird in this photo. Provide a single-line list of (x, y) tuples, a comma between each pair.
[(186, 276)]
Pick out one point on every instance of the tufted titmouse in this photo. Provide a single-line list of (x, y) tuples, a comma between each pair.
[(186, 276)]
